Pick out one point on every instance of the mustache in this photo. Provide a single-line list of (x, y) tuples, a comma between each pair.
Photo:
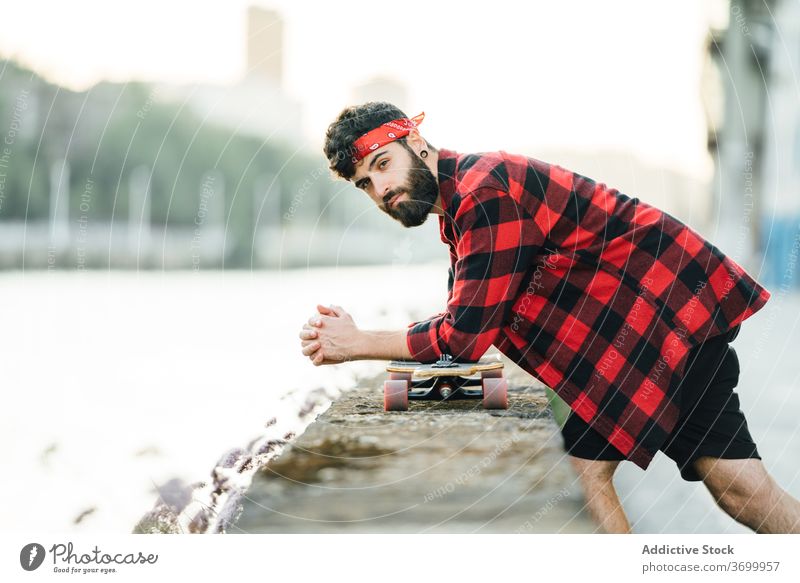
[(391, 195)]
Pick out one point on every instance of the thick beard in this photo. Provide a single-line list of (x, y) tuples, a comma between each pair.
[(423, 191)]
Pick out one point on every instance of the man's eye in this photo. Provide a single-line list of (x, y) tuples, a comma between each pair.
[(383, 164)]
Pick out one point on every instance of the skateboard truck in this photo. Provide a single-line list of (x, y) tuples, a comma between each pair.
[(445, 361), (445, 380)]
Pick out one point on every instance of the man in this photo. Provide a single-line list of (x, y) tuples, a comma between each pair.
[(620, 308)]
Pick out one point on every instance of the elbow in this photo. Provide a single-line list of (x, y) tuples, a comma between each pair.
[(469, 346)]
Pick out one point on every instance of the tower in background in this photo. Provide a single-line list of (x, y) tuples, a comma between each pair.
[(265, 44)]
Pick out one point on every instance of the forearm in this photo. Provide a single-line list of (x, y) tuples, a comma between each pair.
[(383, 345)]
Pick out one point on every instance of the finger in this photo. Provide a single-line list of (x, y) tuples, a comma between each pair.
[(318, 358), (307, 333), (311, 348), (325, 310), (315, 321), (305, 343), (333, 310)]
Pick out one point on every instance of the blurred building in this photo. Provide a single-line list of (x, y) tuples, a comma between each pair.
[(383, 89), (265, 44), (257, 105), (753, 100)]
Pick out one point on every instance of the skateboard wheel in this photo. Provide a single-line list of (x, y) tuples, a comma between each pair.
[(495, 373), (495, 393), (395, 395), (401, 376)]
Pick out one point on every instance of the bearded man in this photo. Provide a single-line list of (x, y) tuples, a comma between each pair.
[(623, 310)]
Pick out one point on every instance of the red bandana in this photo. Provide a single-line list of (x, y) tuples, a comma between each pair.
[(383, 134)]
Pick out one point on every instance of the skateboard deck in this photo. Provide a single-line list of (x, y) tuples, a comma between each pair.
[(452, 369), (445, 380)]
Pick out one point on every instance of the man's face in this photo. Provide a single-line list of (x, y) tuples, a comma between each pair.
[(399, 182)]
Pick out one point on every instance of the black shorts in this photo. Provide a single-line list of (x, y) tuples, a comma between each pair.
[(710, 423)]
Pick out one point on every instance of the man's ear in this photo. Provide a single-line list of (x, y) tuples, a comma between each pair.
[(415, 141)]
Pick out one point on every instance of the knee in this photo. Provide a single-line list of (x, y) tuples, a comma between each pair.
[(732, 503), (732, 497), (735, 490)]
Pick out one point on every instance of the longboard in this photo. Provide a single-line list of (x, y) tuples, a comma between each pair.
[(445, 380)]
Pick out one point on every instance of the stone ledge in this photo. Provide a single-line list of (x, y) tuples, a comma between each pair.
[(439, 467)]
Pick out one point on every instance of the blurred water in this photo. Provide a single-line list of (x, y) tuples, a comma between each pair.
[(115, 383)]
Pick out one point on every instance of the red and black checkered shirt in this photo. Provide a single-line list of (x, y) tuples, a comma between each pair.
[(598, 295)]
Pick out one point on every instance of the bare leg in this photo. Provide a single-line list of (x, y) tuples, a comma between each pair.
[(745, 490), (601, 497)]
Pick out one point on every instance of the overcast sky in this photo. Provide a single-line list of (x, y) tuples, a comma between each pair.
[(572, 74)]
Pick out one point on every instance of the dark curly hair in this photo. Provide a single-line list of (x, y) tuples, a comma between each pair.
[(352, 123)]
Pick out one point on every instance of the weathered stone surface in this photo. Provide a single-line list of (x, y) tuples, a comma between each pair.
[(439, 467)]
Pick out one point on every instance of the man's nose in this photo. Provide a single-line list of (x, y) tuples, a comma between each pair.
[(381, 188)]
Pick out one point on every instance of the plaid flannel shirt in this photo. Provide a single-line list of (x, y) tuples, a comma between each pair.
[(598, 295)]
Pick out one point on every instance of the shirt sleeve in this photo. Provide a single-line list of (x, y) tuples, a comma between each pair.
[(498, 244)]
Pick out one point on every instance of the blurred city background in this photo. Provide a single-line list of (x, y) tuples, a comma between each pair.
[(188, 135), (168, 221)]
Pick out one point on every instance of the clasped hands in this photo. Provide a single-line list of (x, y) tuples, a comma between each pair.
[(330, 336)]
